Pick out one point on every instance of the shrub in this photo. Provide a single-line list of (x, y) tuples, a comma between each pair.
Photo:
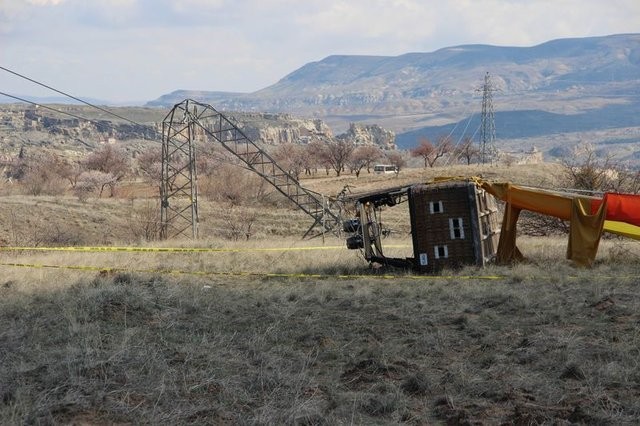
[(144, 221)]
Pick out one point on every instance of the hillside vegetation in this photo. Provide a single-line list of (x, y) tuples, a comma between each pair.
[(536, 343), (241, 198), (271, 329)]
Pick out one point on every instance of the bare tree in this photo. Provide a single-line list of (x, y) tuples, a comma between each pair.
[(318, 154), (626, 180), (233, 185), (369, 154), (425, 149), (91, 181), (467, 150), (338, 154), (17, 166), (430, 152), (357, 161), (150, 164), (292, 158), (588, 171), (109, 160), (238, 222), (71, 171), (211, 157), (41, 174), (396, 158), (144, 221)]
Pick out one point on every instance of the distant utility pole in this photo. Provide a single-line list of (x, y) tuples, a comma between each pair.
[(488, 149)]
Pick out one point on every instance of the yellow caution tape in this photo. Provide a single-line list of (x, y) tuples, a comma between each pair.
[(254, 274), (178, 249), (111, 270)]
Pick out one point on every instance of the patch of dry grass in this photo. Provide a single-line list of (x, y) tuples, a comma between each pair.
[(538, 342), (545, 343), (524, 174), (64, 220)]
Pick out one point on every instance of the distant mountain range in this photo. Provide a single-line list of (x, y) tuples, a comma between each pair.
[(565, 85)]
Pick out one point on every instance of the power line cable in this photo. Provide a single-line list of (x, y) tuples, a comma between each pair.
[(45, 107), (69, 96), (72, 97), (64, 112)]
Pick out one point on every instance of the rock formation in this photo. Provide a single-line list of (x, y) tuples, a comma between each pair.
[(22, 125), (370, 134)]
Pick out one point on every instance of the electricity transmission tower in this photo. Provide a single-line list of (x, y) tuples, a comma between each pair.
[(190, 123), (179, 189), (488, 149)]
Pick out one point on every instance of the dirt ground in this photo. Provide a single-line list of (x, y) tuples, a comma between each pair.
[(269, 329), (536, 343)]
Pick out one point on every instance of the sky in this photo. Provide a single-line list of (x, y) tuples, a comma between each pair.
[(133, 51)]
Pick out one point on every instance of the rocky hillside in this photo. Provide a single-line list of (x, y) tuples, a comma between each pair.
[(81, 129), (365, 134), (75, 129), (276, 129), (572, 81), (578, 72)]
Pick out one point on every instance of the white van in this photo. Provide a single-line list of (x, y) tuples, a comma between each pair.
[(384, 168)]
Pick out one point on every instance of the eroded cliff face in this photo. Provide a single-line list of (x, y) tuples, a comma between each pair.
[(26, 126), (41, 128), (370, 134), (276, 129)]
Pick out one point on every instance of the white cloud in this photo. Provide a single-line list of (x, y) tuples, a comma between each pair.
[(371, 18), (45, 2), (527, 23), (142, 48), (196, 5)]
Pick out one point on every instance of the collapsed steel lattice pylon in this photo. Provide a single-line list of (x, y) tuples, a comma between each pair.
[(191, 120)]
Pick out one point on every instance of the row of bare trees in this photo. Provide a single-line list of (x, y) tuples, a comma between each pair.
[(431, 152), (595, 172), (298, 160), (100, 172), (337, 156), (46, 173)]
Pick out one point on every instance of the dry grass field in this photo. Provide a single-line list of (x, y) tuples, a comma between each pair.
[(277, 330)]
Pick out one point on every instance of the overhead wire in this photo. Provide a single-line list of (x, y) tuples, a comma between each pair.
[(68, 95), (462, 135), (71, 97), (45, 106), (466, 110), (464, 113), (518, 93)]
